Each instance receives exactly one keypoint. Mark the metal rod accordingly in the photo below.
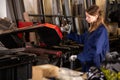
(38, 15)
(71, 64)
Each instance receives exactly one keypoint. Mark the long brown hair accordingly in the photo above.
(95, 10)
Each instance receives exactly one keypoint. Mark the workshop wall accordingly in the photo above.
(3, 12)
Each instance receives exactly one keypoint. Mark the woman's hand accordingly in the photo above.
(72, 57)
(66, 28)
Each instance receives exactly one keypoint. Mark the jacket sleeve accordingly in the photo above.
(78, 38)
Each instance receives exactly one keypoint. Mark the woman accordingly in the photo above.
(95, 40)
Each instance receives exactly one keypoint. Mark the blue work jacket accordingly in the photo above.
(96, 45)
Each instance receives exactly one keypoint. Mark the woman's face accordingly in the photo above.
(90, 18)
